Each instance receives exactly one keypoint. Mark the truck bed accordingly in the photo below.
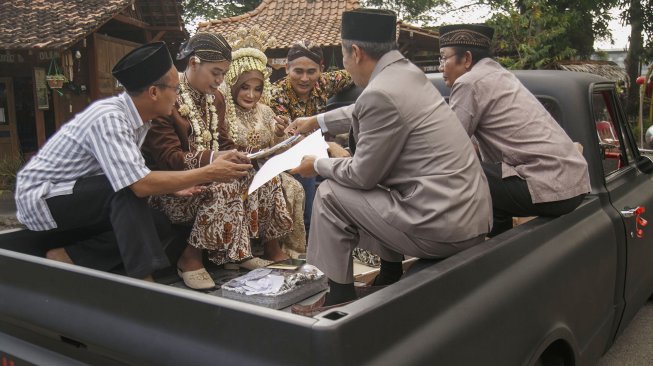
(552, 291)
(108, 318)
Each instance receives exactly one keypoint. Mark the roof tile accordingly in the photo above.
(52, 24)
(57, 24)
(290, 20)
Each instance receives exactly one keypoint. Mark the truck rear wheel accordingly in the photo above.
(557, 354)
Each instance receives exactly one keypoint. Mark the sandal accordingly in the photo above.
(197, 280)
(254, 263)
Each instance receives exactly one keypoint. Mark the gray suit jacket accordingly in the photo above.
(410, 141)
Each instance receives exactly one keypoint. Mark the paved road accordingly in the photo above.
(635, 345)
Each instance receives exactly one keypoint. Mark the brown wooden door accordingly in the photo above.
(8, 134)
(109, 51)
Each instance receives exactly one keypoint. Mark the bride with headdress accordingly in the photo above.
(250, 124)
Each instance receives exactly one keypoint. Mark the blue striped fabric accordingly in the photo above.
(103, 139)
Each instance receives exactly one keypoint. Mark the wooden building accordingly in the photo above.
(79, 39)
(319, 21)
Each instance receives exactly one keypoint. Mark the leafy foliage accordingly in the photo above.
(639, 14)
(589, 22)
(531, 35)
(208, 9)
(535, 33)
(583, 20)
(640, 11)
(409, 10)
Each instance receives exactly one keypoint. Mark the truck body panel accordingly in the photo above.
(565, 286)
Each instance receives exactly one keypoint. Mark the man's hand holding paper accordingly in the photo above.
(302, 125)
(313, 146)
(228, 167)
(306, 168)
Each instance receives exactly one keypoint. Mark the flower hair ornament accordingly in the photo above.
(206, 134)
(248, 46)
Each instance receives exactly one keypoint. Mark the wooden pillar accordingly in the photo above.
(38, 116)
(59, 104)
(93, 87)
(8, 131)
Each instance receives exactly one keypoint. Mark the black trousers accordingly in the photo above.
(510, 197)
(127, 233)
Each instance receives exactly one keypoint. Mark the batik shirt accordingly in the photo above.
(284, 101)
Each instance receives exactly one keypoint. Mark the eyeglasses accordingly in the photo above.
(177, 88)
(444, 59)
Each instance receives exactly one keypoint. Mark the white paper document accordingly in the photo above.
(313, 144)
(258, 281)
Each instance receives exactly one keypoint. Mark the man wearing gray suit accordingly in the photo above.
(414, 186)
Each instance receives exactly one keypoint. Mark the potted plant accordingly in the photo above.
(54, 77)
(55, 81)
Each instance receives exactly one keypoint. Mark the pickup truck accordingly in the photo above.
(551, 291)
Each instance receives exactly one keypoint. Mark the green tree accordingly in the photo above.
(588, 21)
(409, 10)
(538, 32)
(530, 35)
(210, 9)
(639, 14)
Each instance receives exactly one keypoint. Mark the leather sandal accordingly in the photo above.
(197, 280)
(254, 263)
(315, 308)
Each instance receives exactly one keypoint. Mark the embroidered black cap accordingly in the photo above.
(369, 25)
(475, 35)
(209, 47)
(143, 66)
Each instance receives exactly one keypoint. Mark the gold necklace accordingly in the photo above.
(248, 128)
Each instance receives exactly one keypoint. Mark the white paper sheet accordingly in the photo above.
(258, 281)
(269, 284)
(313, 144)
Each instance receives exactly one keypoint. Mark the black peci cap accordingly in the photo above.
(143, 66)
(369, 25)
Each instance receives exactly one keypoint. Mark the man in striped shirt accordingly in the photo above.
(91, 173)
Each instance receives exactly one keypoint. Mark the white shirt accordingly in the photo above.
(104, 139)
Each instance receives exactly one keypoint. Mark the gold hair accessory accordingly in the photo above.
(253, 37)
(248, 47)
